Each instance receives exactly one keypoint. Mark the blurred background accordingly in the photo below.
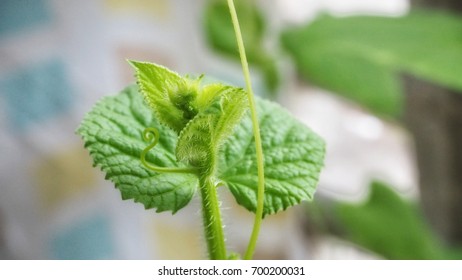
(380, 81)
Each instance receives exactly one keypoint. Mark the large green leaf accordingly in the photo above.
(293, 157)
(112, 134)
(362, 57)
(218, 140)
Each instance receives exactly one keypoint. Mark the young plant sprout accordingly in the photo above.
(200, 137)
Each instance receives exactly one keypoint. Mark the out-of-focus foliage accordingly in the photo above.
(220, 36)
(362, 57)
(391, 227)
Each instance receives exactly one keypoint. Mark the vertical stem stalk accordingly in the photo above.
(256, 131)
(213, 227)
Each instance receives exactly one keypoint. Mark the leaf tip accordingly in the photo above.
(133, 63)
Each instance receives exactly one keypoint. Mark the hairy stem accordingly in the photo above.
(256, 132)
(213, 227)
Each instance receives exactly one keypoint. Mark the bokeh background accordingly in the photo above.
(358, 83)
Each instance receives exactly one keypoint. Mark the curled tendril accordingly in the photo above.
(151, 134)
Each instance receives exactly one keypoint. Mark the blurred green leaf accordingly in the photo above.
(453, 254)
(390, 226)
(220, 36)
(361, 57)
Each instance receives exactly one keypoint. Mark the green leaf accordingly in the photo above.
(112, 132)
(293, 157)
(390, 226)
(199, 141)
(215, 140)
(452, 253)
(167, 93)
(362, 57)
(220, 31)
(220, 35)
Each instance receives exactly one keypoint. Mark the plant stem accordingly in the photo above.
(213, 227)
(256, 132)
